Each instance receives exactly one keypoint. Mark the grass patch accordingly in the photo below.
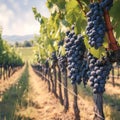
(27, 53)
(13, 96)
(111, 102)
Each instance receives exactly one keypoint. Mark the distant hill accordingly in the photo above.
(17, 38)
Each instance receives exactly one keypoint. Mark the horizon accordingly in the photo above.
(20, 35)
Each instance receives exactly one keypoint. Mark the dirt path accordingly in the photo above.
(42, 104)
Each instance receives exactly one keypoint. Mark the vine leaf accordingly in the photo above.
(80, 24)
(62, 50)
(95, 52)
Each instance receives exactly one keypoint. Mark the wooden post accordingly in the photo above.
(66, 101)
(0, 72)
(51, 79)
(98, 109)
(118, 72)
(75, 104)
(59, 86)
(48, 80)
(113, 80)
(55, 81)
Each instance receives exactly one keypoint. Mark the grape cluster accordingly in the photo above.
(99, 71)
(54, 57)
(85, 72)
(46, 64)
(62, 62)
(96, 27)
(75, 49)
(106, 4)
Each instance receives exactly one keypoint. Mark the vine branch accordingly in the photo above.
(91, 1)
(79, 2)
(111, 38)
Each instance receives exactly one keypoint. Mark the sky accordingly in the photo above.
(17, 18)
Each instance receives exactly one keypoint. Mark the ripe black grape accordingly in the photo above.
(62, 62)
(96, 26)
(106, 4)
(75, 49)
(85, 72)
(99, 71)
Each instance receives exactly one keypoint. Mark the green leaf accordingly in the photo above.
(80, 24)
(62, 50)
(56, 45)
(73, 10)
(95, 52)
(98, 53)
(72, 16)
(115, 15)
(105, 44)
(72, 4)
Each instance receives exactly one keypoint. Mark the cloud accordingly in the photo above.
(41, 7)
(19, 24)
(16, 16)
(26, 25)
(6, 16)
(14, 5)
(25, 2)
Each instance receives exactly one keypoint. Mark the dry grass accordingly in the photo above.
(6, 84)
(113, 90)
(42, 105)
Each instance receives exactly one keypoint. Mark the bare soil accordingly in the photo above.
(43, 105)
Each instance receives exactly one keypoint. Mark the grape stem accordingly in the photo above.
(111, 38)
(91, 1)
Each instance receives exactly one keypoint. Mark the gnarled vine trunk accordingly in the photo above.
(55, 81)
(113, 80)
(48, 80)
(75, 104)
(0, 72)
(51, 79)
(98, 109)
(59, 86)
(118, 72)
(66, 101)
(9, 72)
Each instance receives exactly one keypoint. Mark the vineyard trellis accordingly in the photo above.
(90, 43)
(10, 61)
(37, 70)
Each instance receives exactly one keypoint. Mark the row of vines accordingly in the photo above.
(10, 61)
(81, 37)
(58, 83)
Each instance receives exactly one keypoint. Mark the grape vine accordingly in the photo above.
(96, 26)
(75, 53)
(94, 18)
